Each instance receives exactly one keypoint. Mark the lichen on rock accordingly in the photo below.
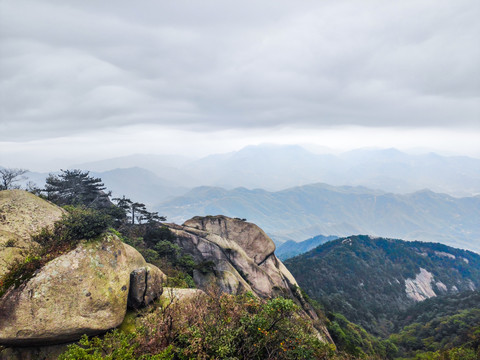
(82, 292)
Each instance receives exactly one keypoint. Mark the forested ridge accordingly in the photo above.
(359, 282)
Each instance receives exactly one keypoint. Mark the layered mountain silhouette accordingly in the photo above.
(301, 212)
(277, 167)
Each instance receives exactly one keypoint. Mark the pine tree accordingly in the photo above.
(76, 187)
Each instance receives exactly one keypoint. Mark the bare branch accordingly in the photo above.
(10, 176)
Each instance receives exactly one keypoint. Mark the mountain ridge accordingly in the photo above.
(305, 211)
(277, 167)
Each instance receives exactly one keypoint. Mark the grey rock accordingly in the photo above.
(146, 285)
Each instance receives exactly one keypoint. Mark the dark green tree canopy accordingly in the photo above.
(76, 187)
(138, 212)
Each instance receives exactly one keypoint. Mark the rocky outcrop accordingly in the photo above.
(85, 291)
(21, 215)
(88, 289)
(238, 257)
(177, 294)
(240, 253)
(420, 288)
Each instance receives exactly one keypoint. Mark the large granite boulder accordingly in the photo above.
(242, 256)
(146, 284)
(22, 215)
(85, 291)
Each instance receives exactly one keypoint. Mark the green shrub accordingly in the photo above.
(205, 267)
(150, 255)
(233, 327)
(212, 327)
(19, 272)
(114, 345)
(80, 223)
(180, 280)
(155, 233)
(85, 223)
(187, 263)
(167, 248)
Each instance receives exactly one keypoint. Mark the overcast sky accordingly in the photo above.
(93, 79)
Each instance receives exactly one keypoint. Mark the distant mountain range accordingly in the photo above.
(139, 185)
(301, 212)
(166, 167)
(291, 248)
(369, 280)
(290, 209)
(277, 167)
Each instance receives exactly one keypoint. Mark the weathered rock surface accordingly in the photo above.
(242, 254)
(177, 294)
(241, 257)
(420, 288)
(146, 284)
(253, 240)
(82, 292)
(21, 215)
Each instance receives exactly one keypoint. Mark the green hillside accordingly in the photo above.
(367, 279)
(446, 327)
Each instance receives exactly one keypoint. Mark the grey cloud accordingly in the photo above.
(68, 67)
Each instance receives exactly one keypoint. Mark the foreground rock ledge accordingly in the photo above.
(85, 291)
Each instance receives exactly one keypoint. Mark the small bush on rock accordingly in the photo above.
(80, 223)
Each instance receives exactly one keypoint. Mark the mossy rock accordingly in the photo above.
(82, 292)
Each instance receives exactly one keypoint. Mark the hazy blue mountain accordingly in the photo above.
(165, 166)
(139, 185)
(276, 167)
(291, 248)
(395, 171)
(371, 279)
(305, 211)
(271, 167)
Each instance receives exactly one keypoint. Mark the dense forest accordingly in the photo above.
(364, 278)
(359, 282)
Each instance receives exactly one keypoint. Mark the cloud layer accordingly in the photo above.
(73, 67)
